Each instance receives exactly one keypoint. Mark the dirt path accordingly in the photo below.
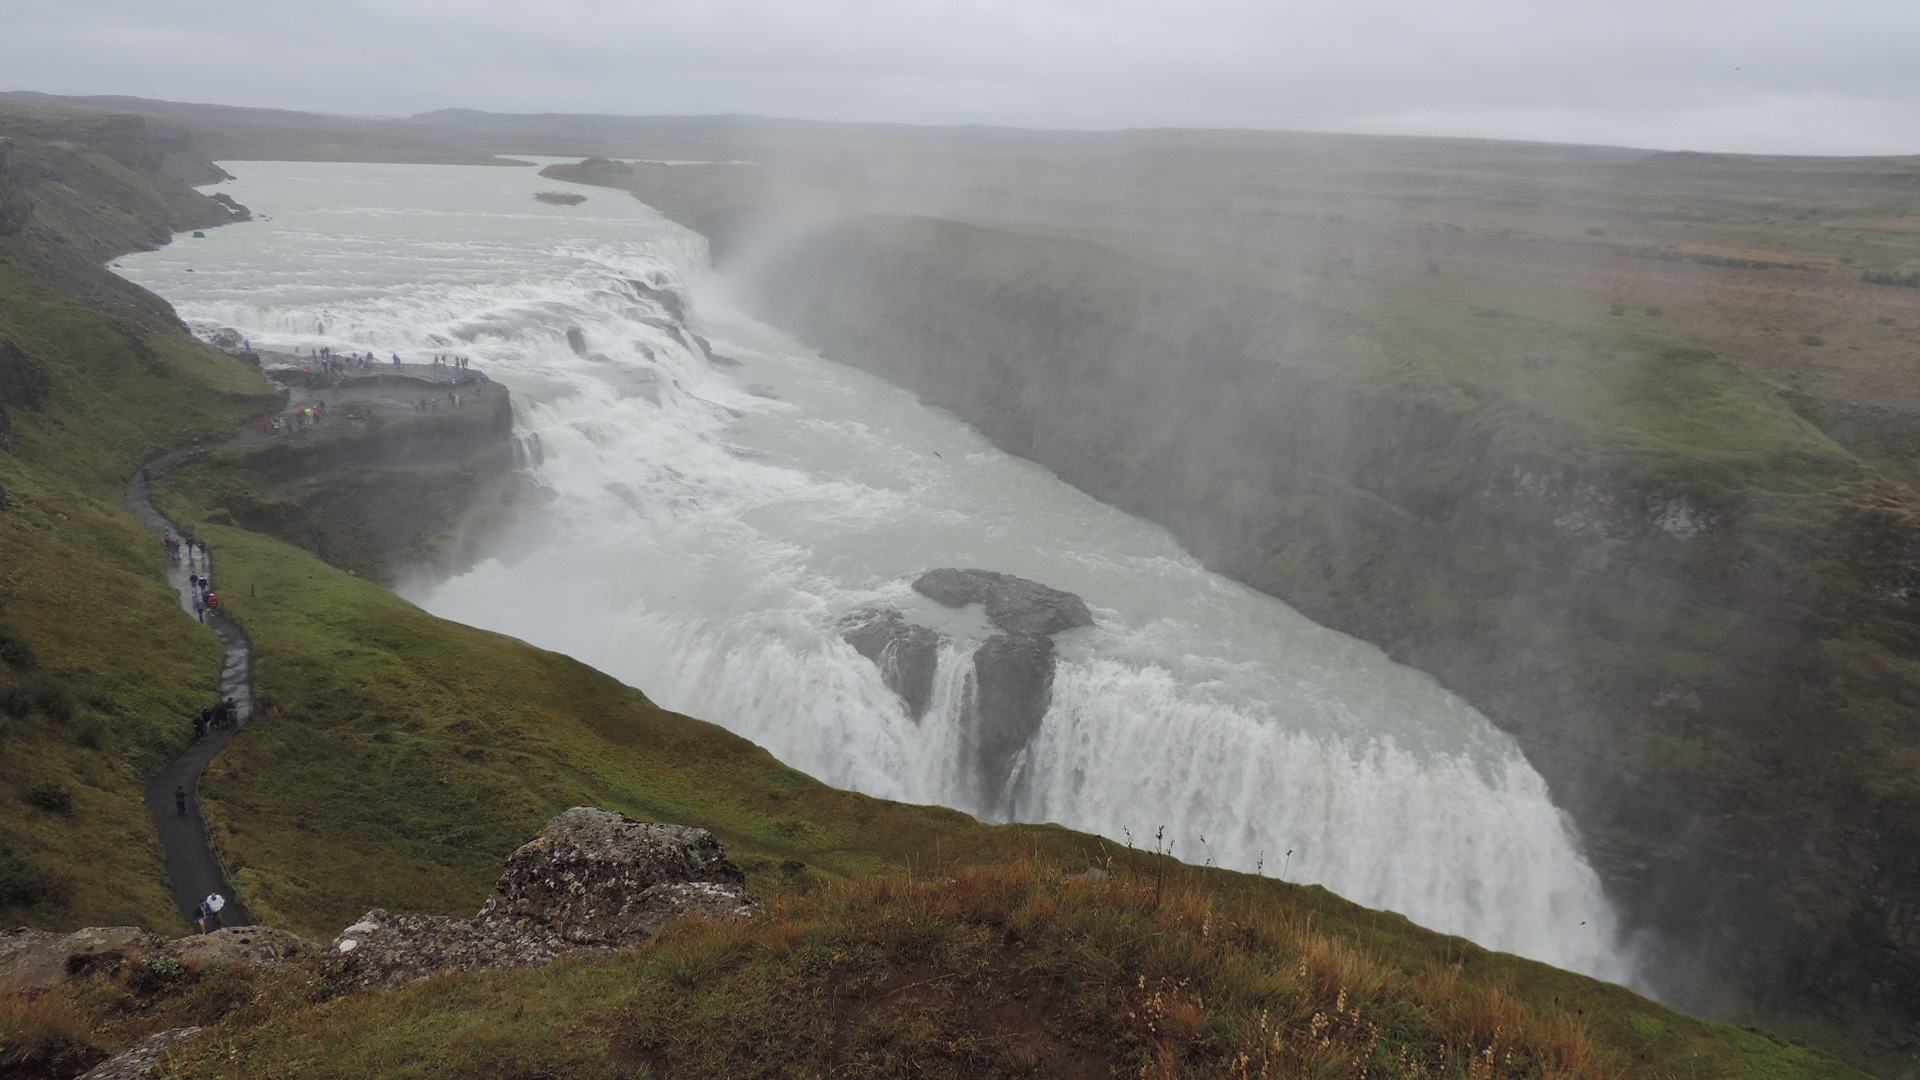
(193, 866)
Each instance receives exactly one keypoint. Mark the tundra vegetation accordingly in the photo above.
(398, 758)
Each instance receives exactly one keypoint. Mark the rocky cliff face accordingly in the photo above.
(48, 147)
(1677, 657)
(380, 487)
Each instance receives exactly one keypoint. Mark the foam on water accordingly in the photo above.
(710, 527)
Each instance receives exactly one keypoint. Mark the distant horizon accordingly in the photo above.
(385, 118)
(1715, 76)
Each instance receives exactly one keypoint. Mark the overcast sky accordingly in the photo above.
(1839, 76)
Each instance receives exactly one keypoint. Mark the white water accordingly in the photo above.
(710, 527)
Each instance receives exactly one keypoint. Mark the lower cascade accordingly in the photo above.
(757, 536)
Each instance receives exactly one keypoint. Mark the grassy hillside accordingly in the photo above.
(95, 378)
(1022, 967)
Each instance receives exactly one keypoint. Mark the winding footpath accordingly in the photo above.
(194, 868)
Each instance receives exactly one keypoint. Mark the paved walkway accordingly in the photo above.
(193, 865)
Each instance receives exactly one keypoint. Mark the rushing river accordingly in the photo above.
(711, 527)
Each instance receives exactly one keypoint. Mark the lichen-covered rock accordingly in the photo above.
(36, 960)
(143, 1059)
(590, 876)
(591, 881)
(240, 946)
(384, 949)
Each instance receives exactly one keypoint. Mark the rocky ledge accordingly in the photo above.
(1012, 680)
(592, 881)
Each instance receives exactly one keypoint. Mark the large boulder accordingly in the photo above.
(592, 881)
(1013, 604)
(595, 877)
(32, 960)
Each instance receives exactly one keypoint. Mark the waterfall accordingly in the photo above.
(719, 513)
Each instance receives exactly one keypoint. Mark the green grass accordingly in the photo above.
(119, 666)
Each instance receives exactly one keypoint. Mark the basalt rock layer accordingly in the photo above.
(1011, 683)
(383, 484)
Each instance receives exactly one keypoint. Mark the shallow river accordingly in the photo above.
(711, 527)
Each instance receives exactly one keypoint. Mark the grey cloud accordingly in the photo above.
(1702, 74)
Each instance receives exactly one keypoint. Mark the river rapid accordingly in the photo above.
(711, 527)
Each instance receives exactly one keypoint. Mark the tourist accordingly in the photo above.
(210, 912)
(180, 801)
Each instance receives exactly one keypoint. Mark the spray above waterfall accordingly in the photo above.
(746, 530)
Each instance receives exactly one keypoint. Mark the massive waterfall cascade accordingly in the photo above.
(712, 526)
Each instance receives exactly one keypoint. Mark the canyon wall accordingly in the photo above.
(1707, 660)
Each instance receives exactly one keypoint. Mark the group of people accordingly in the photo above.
(224, 716)
(433, 404)
(298, 420)
(460, 363)
(327, 363)
(174, 545)
(206, 602)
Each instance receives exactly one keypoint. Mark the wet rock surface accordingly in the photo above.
(1013, 604)
(591, 881)
(907, 655)
(1013, 682)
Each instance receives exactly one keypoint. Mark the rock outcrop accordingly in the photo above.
(1012, 671)
(1013, 604)
(34, 960)
(907, 655)
(592, 881)
(240, 946)
(144, 1058)
(381, 485)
